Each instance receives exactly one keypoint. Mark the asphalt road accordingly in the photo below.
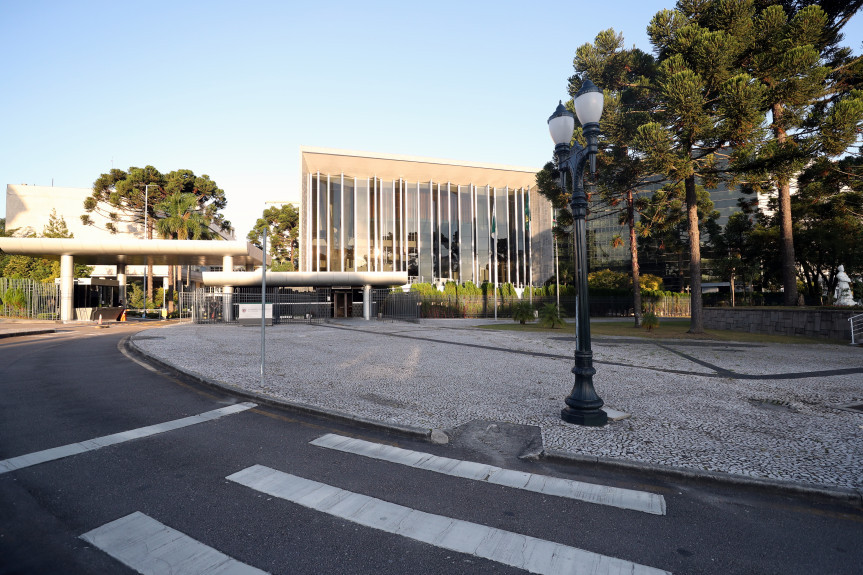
(76, 385)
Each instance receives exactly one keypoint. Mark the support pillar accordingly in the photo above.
(228, 298)
(67, 286)
(121, 279)
(367, 302)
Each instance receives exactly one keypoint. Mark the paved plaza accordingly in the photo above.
(752, 410)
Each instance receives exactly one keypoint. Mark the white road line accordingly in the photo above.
(147, 546)
(590, 492)
(513, 549)
(38, 457)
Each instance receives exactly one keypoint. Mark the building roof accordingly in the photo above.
(413, 168)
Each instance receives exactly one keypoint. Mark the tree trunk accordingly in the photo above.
(696, 322)
(633, 256)
(786, 233)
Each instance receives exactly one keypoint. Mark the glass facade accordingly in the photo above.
(435, 231)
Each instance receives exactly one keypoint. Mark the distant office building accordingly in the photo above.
(604, 223)
(438, 220)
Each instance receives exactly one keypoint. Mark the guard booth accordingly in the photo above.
(92, 297)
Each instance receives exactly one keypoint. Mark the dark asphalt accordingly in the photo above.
(73, 385)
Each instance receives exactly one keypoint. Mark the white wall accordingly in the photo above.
(28, 209)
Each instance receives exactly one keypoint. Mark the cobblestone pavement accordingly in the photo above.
(767, 411)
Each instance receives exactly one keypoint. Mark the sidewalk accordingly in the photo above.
(18, 328)
(741, 411)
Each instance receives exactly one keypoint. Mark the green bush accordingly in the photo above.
(649, 320)
(549, 316)
(15, 298)
(522, 312)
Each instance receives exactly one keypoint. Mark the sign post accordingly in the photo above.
(263, 306)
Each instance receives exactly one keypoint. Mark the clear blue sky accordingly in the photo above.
(233, 89)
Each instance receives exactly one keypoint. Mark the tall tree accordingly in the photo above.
(705, 107)
(791, 48)
(623, 176)
(282, 225)
(128, 199)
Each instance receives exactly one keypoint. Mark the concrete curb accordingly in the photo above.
(303, 408)
(24, 333)
(772, 486)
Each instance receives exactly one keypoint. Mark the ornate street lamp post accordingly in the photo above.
(583, 405)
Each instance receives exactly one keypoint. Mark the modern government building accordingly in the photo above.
(366, 220)
(436, 220)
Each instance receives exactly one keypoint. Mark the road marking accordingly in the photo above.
(92, 444)
(147, 546)
(513, 549)
(590, 492)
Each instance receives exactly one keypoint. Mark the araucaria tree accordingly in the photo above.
(624, 76)
(792, 51)
(282, 225)
(128, 199)
(705, 106)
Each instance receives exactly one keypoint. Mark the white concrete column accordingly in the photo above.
(67, 286)
(367, 302)
(227, 307)
(121, 279)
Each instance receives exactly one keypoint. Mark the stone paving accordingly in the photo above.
(758, 410)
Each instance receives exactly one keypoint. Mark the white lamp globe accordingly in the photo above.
(561, 124)
(588, 103)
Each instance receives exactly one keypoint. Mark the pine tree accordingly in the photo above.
(624, 75)
(791, 48)
(706, 106)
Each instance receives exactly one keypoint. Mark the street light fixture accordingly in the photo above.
(583, 405)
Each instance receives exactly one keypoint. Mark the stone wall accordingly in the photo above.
(824, 323)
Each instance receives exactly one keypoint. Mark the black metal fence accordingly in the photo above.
(451, 306)
(287, 306)
(283, 306)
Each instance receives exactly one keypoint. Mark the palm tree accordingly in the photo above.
(181, 219)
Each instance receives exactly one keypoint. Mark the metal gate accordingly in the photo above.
(214, 306)
(396, 305)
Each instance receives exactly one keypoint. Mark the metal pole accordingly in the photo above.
(583, 405)
(556, 272)
(263, 306)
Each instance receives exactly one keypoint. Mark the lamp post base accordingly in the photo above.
(587, 417)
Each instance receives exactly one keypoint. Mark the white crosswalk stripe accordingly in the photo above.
(62, 451)
(601, 494)
(513, 549)
(148, 546)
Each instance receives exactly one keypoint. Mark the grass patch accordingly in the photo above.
(667, 329)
